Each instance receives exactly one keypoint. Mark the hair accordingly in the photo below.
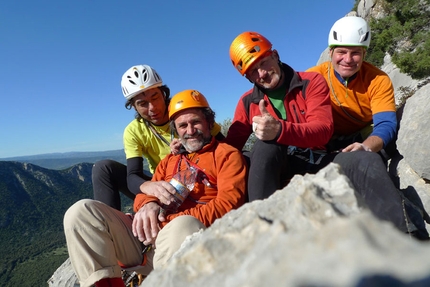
(164, 89)
(208, 113)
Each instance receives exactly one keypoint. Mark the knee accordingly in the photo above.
(102, 166)
(77, 212)
(267, 153)
(171, 237)
(187, 223)
(355, 157)
(183, 226)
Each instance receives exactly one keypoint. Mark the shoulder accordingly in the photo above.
(247, 94)
(313, 78)
(373, 76)
(321, 68)
(371, 69)
(135, 126)
(225, 149)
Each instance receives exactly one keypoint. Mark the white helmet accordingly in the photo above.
(138, 79)
(349, 31)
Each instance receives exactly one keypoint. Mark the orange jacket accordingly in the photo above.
(226, 170)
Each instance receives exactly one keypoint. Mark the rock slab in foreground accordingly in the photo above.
(311, 233)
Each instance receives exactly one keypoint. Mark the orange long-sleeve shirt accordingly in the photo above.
(226, 169)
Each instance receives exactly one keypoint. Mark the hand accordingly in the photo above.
(175, 145)
(266, 126)
(161, 189)
(356, 146)
(145, 223)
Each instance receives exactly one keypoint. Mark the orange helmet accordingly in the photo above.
(185, 100)
(246, 48)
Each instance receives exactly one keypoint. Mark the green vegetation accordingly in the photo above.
(38, 270)
(33, 201)
(405, 34)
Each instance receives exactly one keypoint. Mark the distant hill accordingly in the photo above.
(33, 201)
(65, 160)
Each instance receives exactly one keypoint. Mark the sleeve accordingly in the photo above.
(318, 128)
(231, 183)
(385, 126)
(382, 95)
(135, 175)
(160, 173)
(132, 145)
(240, 129)
(383, 106)
(317, 69)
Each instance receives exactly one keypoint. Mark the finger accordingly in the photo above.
(169, 189)
(162, 215)
(138, 229)
(146, 231)
(154, 226)
(133, 227)
(262, 105)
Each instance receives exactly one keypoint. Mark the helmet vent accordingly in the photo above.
(364, 37)
(157, 77)
(255, 39)
(335, 36)
(255, 49)
(239, 65)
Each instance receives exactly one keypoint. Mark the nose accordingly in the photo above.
(151, 106)
(190, 129)
(261, 73)
(348, 58)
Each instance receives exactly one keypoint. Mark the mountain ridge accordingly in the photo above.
(65, 160)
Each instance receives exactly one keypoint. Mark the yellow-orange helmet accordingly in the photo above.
(246, 48)
(185, 100)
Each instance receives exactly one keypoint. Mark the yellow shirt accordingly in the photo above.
(140, 141)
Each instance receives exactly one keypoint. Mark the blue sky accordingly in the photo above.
(61, 62)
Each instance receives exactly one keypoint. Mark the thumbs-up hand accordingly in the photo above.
(265, 126)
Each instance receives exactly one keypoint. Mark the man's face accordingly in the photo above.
(347, 60)
(151, 106)
(192, 128)
(266, 71)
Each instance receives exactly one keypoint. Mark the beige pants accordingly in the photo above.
(99, 236)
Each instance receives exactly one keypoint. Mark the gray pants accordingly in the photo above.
(99, 237)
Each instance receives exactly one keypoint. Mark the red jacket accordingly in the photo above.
(309, 122)
(225, 169)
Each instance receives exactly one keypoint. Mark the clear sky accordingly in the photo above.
(61, 62)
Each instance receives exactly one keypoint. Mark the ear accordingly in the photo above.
(276, 55)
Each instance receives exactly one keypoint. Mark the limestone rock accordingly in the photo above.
(311, 233)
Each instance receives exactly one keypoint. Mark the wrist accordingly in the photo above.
(365, 148)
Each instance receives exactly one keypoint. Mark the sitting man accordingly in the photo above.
(289, 112)
(102, 240)
(365, 124)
